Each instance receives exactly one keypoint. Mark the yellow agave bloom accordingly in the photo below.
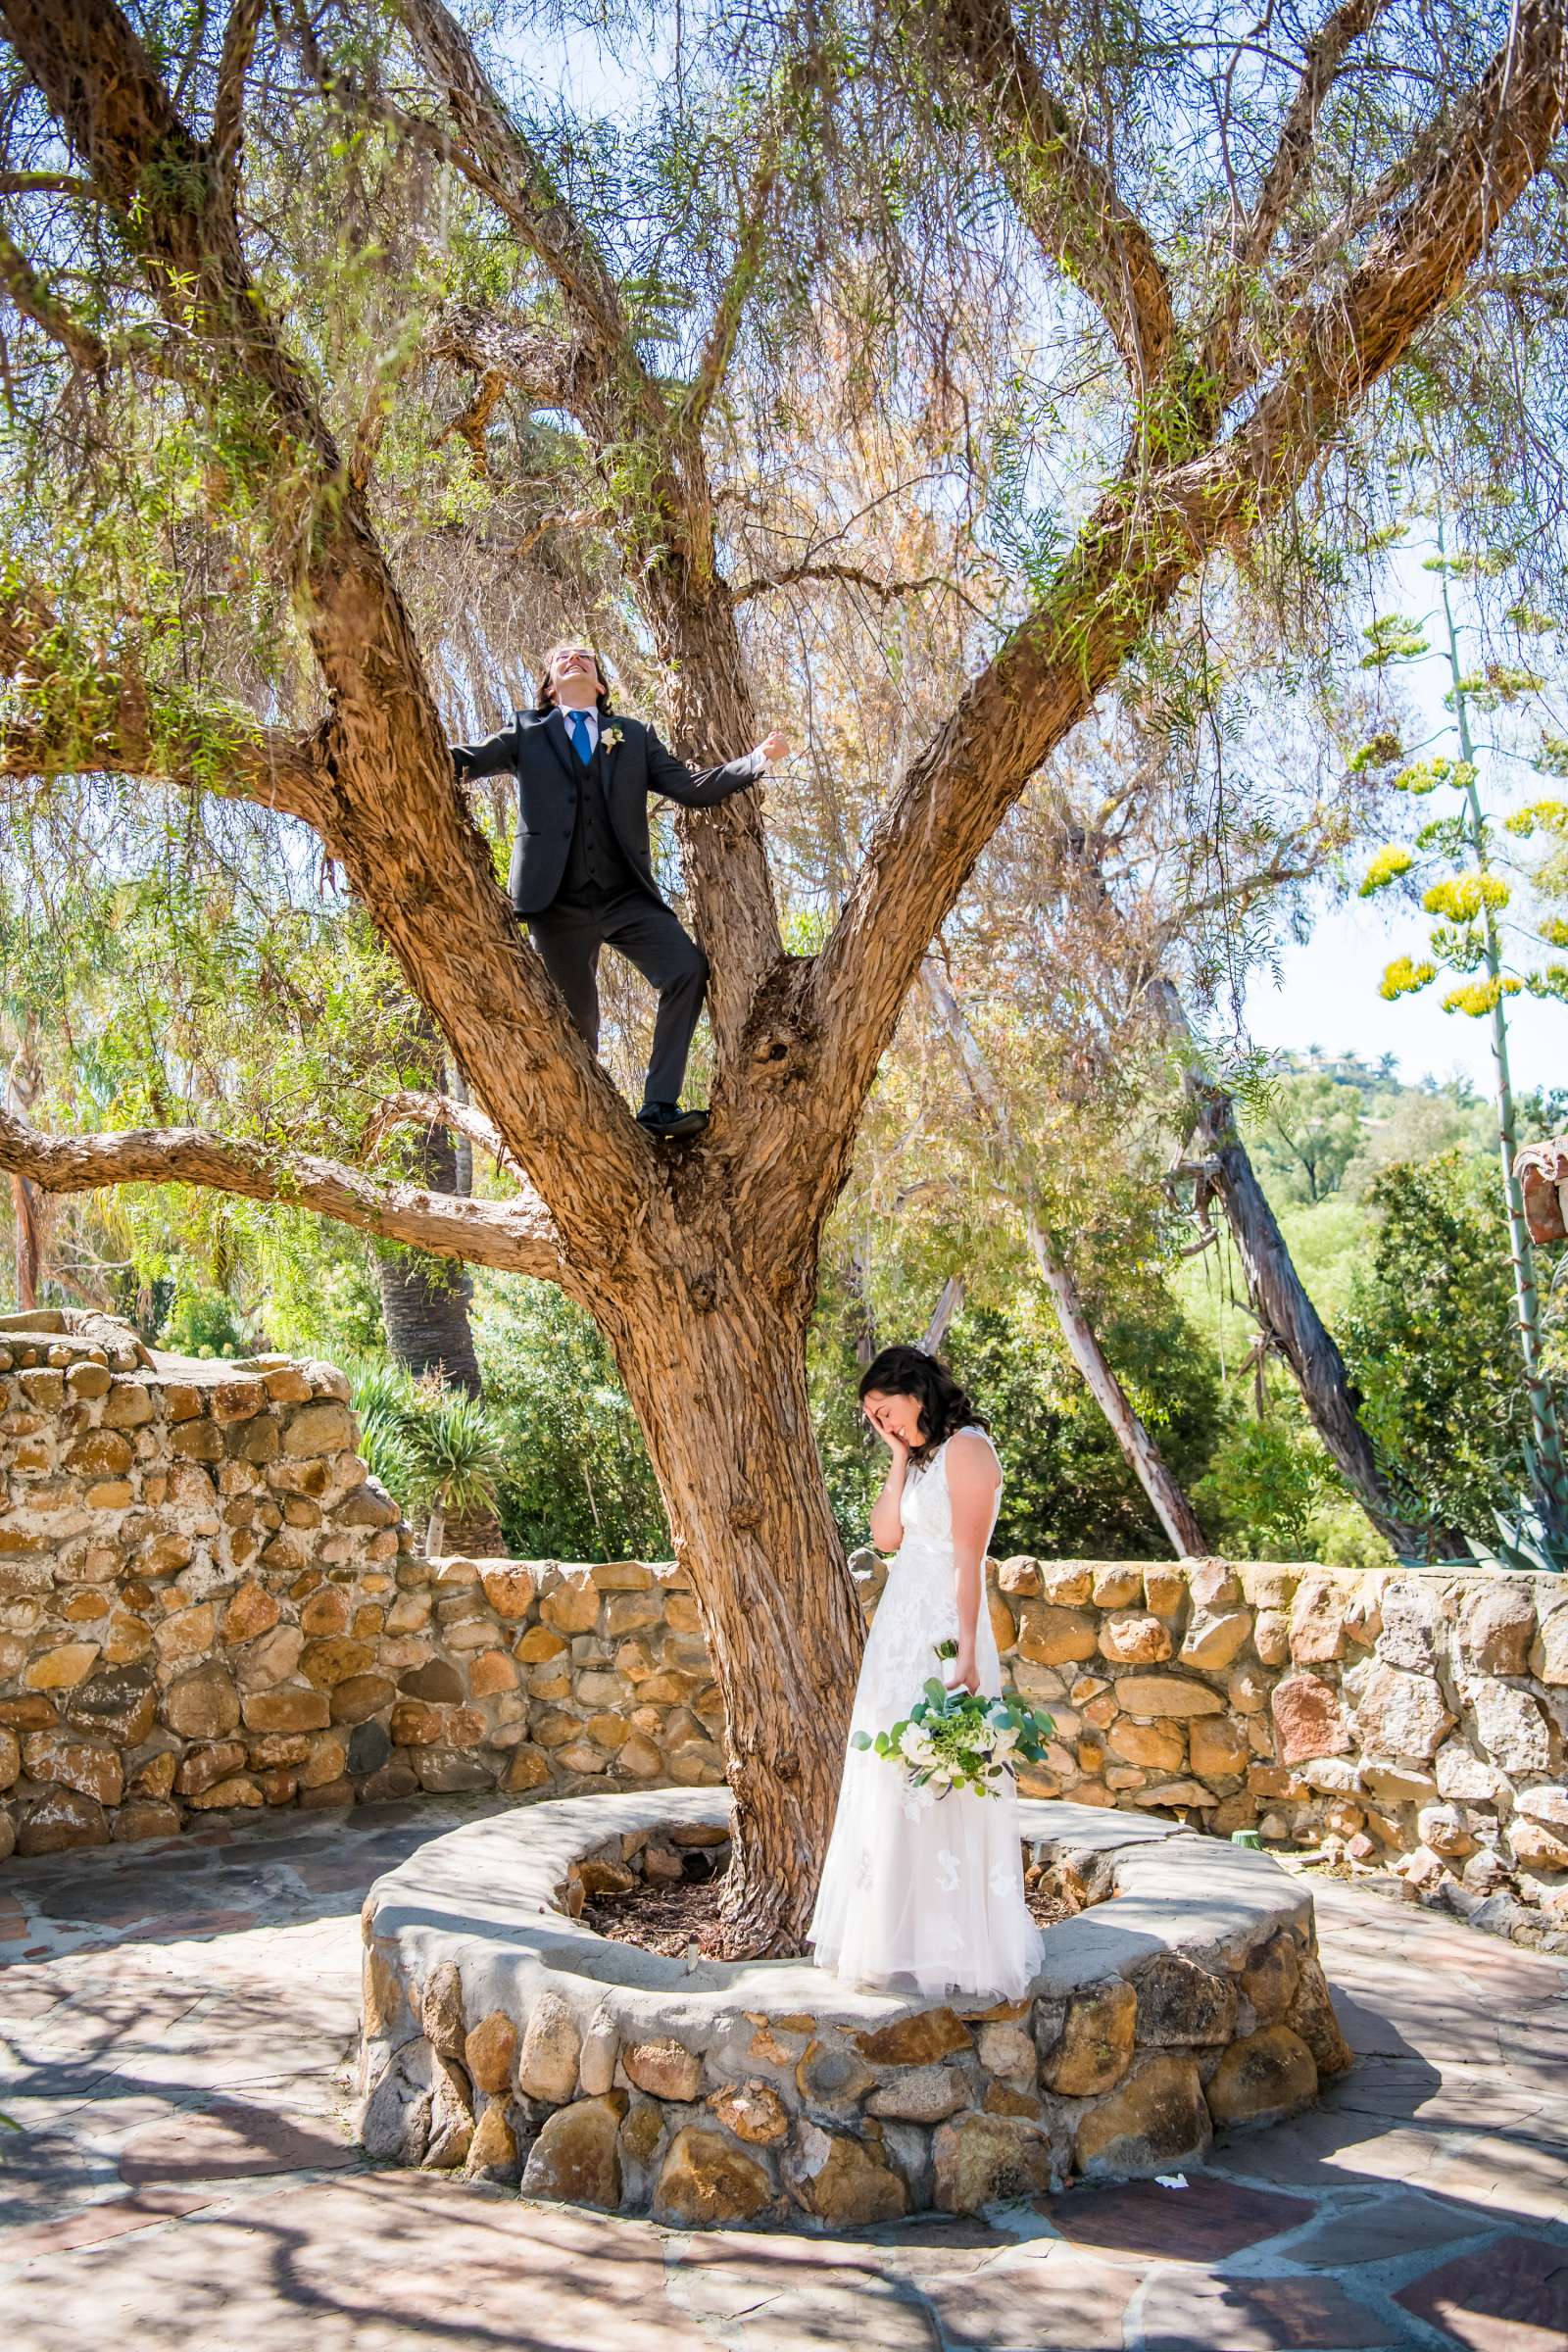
(1478, 997)
(1386, 866)
(1403, 977)
(1463, 898)
(1425, 775)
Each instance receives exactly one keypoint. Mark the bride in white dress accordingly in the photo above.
(925, 1899)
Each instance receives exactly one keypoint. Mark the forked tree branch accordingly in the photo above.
(1223, 367)
(730, 310)
(1144, 540)
(410, 1109)
(228, 107)
(1326, 55)
(516, 1236)
(1065, 197)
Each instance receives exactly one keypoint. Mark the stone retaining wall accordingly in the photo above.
(205, 1603)
(1409, 1721)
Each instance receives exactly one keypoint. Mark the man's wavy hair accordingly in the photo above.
(547, 692)
(944, 1406)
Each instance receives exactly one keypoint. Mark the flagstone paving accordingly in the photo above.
(175, 2028)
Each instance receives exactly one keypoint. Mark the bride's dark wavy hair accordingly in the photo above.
(944, 1406)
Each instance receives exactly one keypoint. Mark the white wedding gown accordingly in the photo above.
(926, 1901)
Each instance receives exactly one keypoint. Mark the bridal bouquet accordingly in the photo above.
(959, 1739)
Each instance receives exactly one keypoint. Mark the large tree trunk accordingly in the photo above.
(949, 1303)
(425, 1300)
(1277, 1292)
(1128, 1427)
(425, 1307)
(715, 1368)
(32, 1211)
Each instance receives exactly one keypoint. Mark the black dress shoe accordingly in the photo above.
(669, 1123)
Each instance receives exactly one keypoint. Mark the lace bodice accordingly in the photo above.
(919, 1604)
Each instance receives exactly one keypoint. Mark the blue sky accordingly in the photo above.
(1328, 996)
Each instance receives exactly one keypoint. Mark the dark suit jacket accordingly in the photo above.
(539, 753)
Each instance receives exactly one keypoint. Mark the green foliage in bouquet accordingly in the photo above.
(959, 1739)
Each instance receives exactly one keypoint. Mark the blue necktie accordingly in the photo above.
(577, 720)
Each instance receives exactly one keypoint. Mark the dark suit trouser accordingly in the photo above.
(569, 935)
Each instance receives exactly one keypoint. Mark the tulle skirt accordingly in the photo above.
(924, 1902)
(921, 1900)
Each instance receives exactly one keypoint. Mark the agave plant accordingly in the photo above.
(1523, 1543)
(458, 1459)
(386, 1404)
(387, 1449)
(437, 1449)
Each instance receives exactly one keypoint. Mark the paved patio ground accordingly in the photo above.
(175, 2023)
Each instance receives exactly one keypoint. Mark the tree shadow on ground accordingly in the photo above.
(187, 2167)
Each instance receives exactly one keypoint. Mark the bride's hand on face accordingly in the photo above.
(897, 1447)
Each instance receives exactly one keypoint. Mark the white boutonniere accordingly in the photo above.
(613, 739)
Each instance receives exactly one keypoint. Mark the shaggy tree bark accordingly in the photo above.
(699, 1264)
(1131, 1432)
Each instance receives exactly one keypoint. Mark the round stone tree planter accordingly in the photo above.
(503, 2037)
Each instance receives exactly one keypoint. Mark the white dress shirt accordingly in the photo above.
(569, 721)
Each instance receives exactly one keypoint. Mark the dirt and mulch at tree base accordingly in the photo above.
(677, 1916)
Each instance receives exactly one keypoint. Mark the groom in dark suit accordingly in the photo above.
(582, 877)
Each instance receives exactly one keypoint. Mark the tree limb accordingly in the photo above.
(516, 1236)
(84, 713)
(492, 151)
(410, 1109)
(228, 107)
(395, 815)
(1146, 539)
(32, 298)
(854, 576)
(1254, 234)
(45, 183)
(1326, 54)
(1305, 261)
(1235, 896)
(719, 347)
(1066, 199)
(274, 769)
